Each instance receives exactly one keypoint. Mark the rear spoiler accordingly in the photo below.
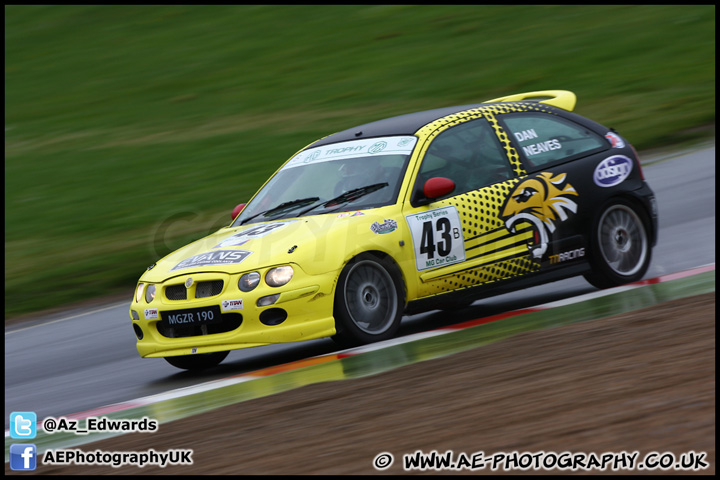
(558, 98)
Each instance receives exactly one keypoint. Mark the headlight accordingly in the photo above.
(249, 281)
(150, 293)
(279, 276)
(139, 292)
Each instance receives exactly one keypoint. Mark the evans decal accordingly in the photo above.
(612, 171)
(220, 257)
(151, 314)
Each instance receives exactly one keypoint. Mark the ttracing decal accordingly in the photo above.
(539, 200)
(612, 171)
(565, 256)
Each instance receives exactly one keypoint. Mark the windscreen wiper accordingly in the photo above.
(349, 196)
(285, 206)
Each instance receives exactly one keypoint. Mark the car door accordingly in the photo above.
(461, 239)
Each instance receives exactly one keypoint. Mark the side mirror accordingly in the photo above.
(236, 211)
(435, 187)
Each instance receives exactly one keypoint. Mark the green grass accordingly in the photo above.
(130, 130)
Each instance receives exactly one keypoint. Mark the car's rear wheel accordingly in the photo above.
(197, 362)
(620, 246)
(369, 301)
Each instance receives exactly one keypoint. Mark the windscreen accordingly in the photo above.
(354, 175)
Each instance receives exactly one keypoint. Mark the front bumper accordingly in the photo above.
(303, 311)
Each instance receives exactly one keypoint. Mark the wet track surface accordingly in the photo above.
(71, 364)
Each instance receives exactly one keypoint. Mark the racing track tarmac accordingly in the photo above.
(642, 381)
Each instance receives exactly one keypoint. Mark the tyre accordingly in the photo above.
(620, 245)
(369, 301)
(198, 361)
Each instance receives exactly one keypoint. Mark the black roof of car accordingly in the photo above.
(409, 124)
(406, 124)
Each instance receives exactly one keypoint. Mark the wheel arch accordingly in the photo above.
(349, 329)
(383, 257)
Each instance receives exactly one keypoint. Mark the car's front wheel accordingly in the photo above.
(620, 246)
(369, 301)
(198, 361)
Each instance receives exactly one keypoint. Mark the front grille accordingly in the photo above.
(230, 321)
(176, 292)
(202, 290)
(208, 289)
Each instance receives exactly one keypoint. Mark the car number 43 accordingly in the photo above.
(437, 237)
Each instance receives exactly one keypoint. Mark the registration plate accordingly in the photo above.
(192, 316)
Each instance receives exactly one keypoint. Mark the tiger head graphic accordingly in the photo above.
(540, 200)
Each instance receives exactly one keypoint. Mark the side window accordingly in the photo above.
(469, 154)
(546, 139)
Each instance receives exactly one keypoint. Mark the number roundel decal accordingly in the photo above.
(437, 237)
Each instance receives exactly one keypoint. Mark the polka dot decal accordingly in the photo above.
(480, 215)
(480, 210)
(482, 275)
(489, 112)
(512, 154)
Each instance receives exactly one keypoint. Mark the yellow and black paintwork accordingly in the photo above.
(507, 241)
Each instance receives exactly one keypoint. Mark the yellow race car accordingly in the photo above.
(422, 211)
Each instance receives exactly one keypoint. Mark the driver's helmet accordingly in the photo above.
(349, 170)
(353, 174)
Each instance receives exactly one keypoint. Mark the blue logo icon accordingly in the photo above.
(612, 171)
(23, 456)
(23, 425)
